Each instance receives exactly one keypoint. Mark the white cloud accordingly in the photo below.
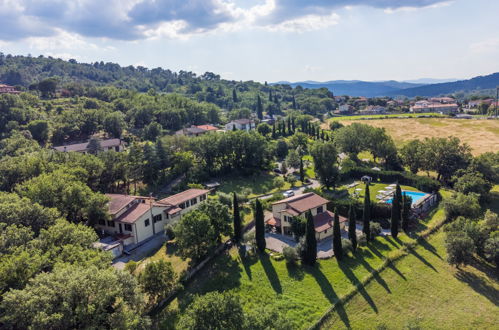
(391, 10)
(306, 23)
(62, 40)
(486, 46)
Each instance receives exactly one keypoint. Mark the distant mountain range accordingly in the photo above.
(419, 87)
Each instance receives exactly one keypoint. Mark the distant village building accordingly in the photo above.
(196, 130)
(284, 210)
(346, 108)
(240, 124)
(134, 219)
(109, 144)
(443, 100)
(6, 89)
(373, 110)
(430, 106)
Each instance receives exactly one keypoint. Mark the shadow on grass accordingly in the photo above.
(328, 291)
(478, 284)
(398, 272)
(246, 260)
(295, 271)
(422, 259)
(428, 247)
(270, 272)
(345, 268)
(392, 242)
(360, 258)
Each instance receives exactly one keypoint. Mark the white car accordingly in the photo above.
(288, 193)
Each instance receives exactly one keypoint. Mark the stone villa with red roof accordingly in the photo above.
(196, 130)
(284, 210)
(134, 219)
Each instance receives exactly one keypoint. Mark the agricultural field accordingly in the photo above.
(423, 291)
(481, 135)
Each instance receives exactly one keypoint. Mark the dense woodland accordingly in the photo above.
(50, 277)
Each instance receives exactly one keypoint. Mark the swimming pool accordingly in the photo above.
(413, 194)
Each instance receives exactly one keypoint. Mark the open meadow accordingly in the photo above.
(482, 135)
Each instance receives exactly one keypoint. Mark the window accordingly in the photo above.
(202, 198)
(194, 201)
(146, 223)
(102, 222)
(157, 218)
(110, 223)
(117, 148)
(319, 209)
(187, 204)
(128, 227)
(181, 205)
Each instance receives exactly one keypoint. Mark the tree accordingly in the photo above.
(114, 124)
(259, 226)
(234, 96)
(39, 129)
(462, 205)
(94, 146)
(412, 156)
(309, 255)
(459, 248)
(157, 279)
(237, 220)
(47, 87)
(396, 212)
(213, 310)
(352, 227)
(259, 107)
(284, 168)
(473, 182)
(195, 235)
(218, 214)
(293, 159)
(76, 297)
(298, 226)
(366, 215)
(325, 155)
(281, 148)
(264, 129)
(337, 249)
(406, 211)
(302, 171)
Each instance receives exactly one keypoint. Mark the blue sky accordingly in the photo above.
(265, 40)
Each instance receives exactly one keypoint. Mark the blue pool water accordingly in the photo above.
(413, 194)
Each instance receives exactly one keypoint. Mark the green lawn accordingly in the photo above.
(303, 294)
(423, 290)
(258, 184)
(374, 188)
(167, 252)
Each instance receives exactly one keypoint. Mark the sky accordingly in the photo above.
(264, 40)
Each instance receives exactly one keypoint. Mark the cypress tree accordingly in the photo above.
(234, 96)
(259, 226)
(396, 212)
(352, 234)
(294, 102)
(270, 95)
(293, 124)
(337, 248)
(366, 216)
(237, 220)
(259, 107)
(283, 125)
(289, 126)
(273, 131)
(406, 211)
(302, 172)
(310, 251)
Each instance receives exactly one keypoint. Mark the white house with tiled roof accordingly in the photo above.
(284, 210)
(137, 218)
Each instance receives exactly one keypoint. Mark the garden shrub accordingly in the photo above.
(169, 231)
(362, 240)
(131, 266)
(290, 255)
(375, 228)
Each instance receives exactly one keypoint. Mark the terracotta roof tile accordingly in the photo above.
(304, 202)
(324, 221)
(133, 213)
(183, 196)
(118, 201)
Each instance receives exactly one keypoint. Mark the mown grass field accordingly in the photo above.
(423, 290)
(399, 115)
(481, 135)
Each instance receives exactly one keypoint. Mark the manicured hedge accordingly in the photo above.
(422, 183)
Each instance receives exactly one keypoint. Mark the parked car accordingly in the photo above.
(288, 193)
(277, 170)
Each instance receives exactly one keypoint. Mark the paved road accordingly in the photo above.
(142, 252)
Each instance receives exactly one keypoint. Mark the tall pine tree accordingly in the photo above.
(352, 227)
(302, 171)
(234, 96)
(259, 107)
(237, 220)
(406, 211)
(366, 216)
(310, 250)
(259, 226)
(396, 211)
(337, 248)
